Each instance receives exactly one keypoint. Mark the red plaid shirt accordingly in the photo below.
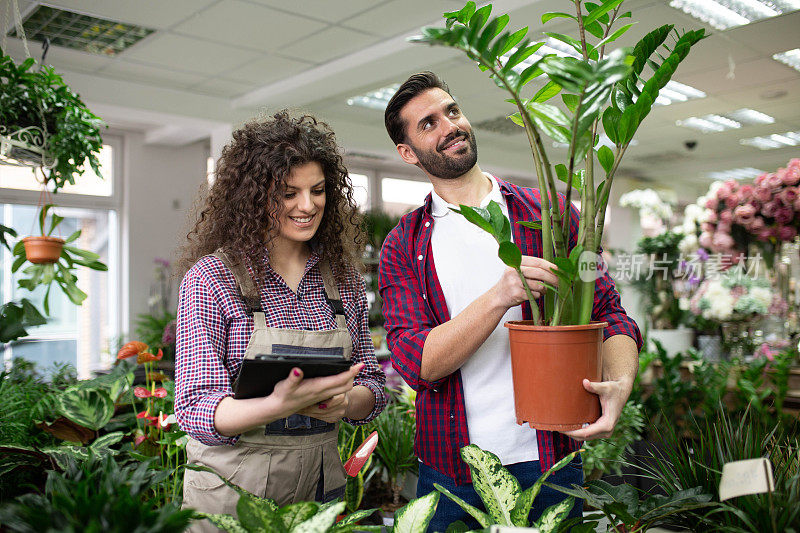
(413, 304)
(213, 324)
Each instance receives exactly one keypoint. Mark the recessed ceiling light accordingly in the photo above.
(724, 14)
(790, 57)
(735, 173)
(776, 140)
(377, 99)
(81, 32)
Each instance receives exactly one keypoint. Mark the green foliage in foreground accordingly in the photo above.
(93, 496)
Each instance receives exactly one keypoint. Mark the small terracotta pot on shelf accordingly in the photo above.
(549, 364)
(41, 250)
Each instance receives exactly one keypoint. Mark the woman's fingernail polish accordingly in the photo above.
(323, 406)
(296, 372)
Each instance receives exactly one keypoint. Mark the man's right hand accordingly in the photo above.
(509, 289)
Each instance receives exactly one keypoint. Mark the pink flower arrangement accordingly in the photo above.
(768, 210)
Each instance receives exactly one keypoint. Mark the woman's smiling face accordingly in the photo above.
(303, 203)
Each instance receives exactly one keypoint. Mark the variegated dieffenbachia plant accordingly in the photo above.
(505, 502)
(256, 514)
(612, 90)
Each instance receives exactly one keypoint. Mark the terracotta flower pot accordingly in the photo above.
(548, 365)
(42, 250)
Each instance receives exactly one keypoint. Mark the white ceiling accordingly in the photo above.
(213, 62)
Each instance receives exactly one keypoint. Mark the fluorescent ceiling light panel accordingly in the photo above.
(735, 173)
(724, 14)
(674, 92)
(790, 58)
(734, 120)
(776, 140)
(81, 32)
(709, 123)
(749, 117)
(377, 99)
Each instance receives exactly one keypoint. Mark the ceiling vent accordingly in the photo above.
(501, 125)
(80, 32)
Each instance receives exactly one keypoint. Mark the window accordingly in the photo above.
(85, 335)
(360, 190)
(401, 195)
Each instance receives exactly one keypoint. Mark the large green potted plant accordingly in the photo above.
(43, 123)
(598, 90)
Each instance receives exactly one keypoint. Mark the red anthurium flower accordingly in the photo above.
(146, 357)
(130, 349)
(141, 392)
(162, 421)
(151, 420)
(160, 392)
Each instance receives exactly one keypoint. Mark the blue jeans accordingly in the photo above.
(526, 473)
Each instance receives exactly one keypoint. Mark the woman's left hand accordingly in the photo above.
(331, 410)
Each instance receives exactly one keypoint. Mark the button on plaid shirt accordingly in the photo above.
(413, 304)
(213, 325)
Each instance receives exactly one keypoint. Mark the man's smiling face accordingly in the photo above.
(439, 138)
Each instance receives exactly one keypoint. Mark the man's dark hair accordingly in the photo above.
(416, 84)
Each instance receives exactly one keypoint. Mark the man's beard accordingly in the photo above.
(444, 166)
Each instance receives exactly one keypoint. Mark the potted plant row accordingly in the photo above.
(600, 91)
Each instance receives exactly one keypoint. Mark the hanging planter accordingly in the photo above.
(44, 124)
(43, 250)
(48, 267)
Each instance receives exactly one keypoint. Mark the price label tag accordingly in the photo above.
(751, 476)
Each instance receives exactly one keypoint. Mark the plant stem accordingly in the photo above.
(601, 211)
(581, 29)
(537, 320)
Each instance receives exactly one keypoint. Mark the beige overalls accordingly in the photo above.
(291, 459)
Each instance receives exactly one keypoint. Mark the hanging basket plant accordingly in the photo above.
(48, 267)
(44, 124)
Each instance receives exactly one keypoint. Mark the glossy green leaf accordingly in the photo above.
(570, 100)
(614, 36)
(497, 219)
(509, 254)
(601, 10)
(606, 158)
(547, 17)
(549, 90)
(595, 29)
(512, 41)
(571, 41)
(531, 224)
(478, 216)
(611, 119)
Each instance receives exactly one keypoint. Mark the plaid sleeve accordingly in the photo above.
(407, 322)
(201, 380)
(607, 304)
(371, 376)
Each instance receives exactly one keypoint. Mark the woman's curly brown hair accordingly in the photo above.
(244, 204)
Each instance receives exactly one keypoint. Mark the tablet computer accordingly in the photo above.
(258, 376)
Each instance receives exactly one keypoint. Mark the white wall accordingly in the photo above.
(161, 184)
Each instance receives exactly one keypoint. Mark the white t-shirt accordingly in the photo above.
(467, 266)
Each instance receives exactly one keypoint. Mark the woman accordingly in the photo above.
(273, 258)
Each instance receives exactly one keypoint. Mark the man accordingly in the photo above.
(446, 296)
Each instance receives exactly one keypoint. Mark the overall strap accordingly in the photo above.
(244, 282)
(332, 293)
